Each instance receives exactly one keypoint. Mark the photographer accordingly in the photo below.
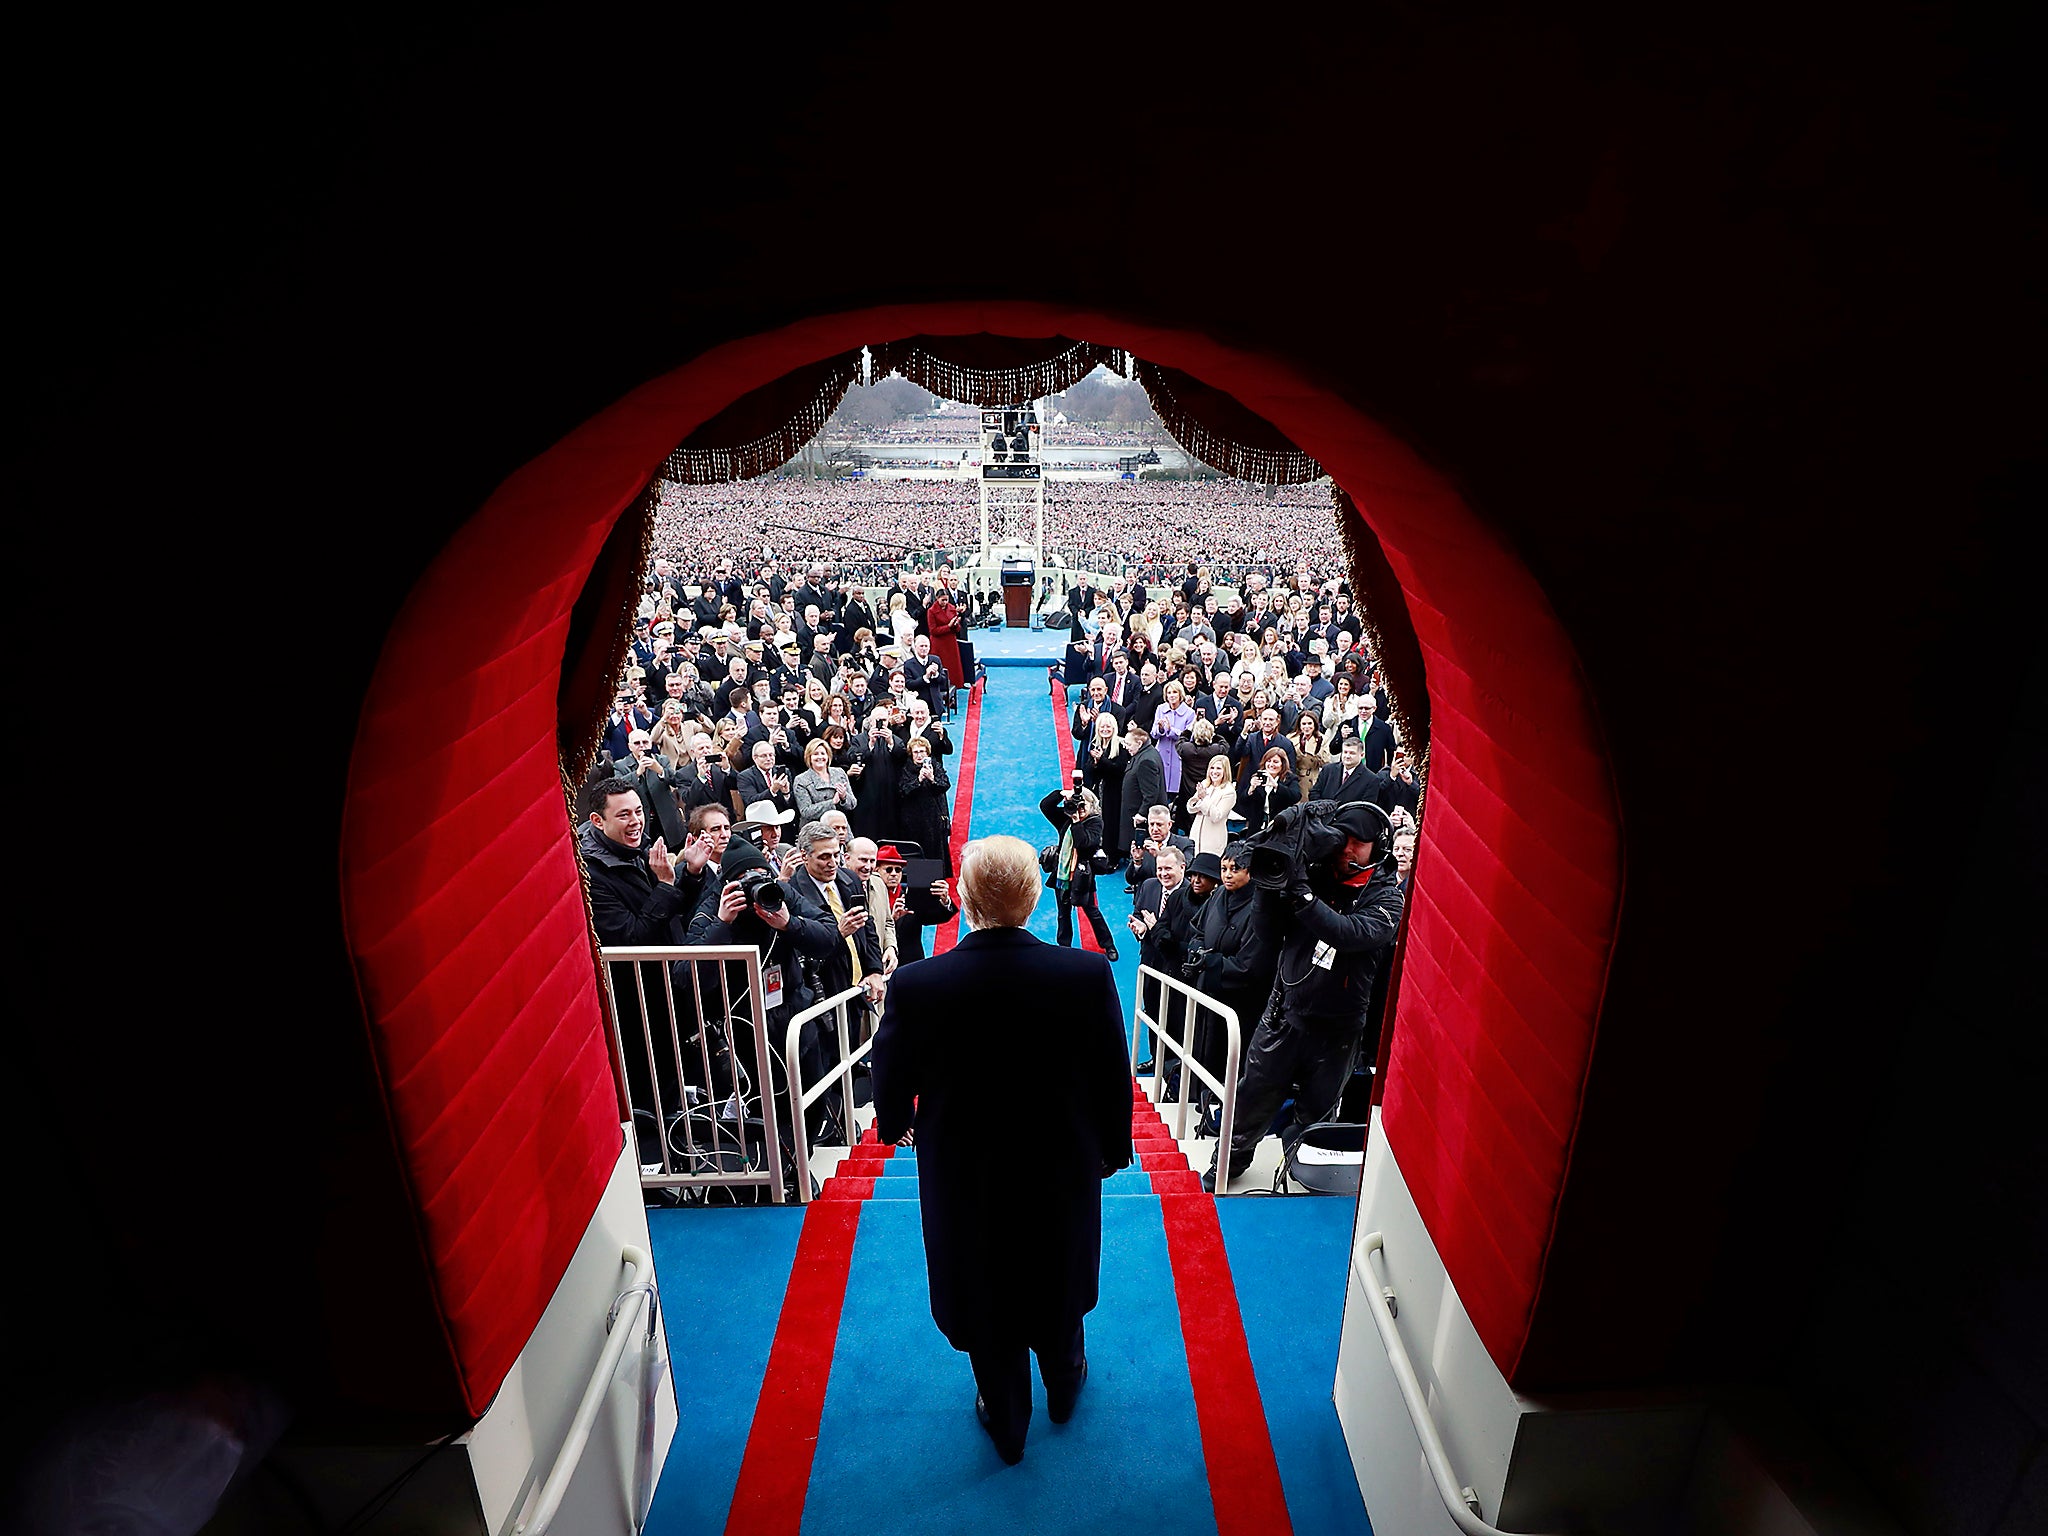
(754, 908)
(1330, 901)
(1069, 864)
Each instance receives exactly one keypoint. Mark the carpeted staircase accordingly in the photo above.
(874, 1172)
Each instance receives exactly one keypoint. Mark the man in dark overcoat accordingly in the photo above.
(1013, 1246)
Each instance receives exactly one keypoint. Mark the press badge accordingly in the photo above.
(1324, 955)
(771, 988)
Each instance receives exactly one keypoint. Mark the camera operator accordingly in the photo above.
(1069, 864)
(1330, 901)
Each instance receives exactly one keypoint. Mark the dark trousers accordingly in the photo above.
(1314, 1056)
(1096, 920)
(1002, 1374)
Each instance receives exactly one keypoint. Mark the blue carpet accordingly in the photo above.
(1288, 1259)
(898, 1446)
(722, 1277)
(1016, 763)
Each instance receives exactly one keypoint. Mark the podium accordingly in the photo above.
(1018, 579)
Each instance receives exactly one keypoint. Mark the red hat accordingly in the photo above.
(887, 854)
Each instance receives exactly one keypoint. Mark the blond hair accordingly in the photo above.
(999, 882)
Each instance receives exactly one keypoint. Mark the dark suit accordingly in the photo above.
(1013, 1246)
(835, 971)
(1379, 743)
(1363, 785)
(1144, 787)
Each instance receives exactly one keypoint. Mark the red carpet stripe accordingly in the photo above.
(1237, 1446)
(775, 1472)
(948, 932)
(1083, 934)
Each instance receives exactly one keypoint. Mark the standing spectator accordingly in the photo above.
(881, 758)
(1173, 719)
(650, 775)
(1162, 918)
(1144, 784)
(1197, 751)
(921, 811)
(1348, 778)
(821, 787)
(1377, 735)
(1102, 761)
(1269, 791)
(944, 621)
(908, 923)
(1211, 803)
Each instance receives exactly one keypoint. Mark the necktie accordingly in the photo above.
(839, 910)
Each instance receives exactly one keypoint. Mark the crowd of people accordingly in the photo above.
(776, 768)
(1223, 523)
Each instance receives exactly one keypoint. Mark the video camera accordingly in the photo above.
(1304, 837)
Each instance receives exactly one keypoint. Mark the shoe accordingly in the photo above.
(1144, 1066)
(1209, 1182)
(1010, 1458)
(1059, 1413)
(1109, 954)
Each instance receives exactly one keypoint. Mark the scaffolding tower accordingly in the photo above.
(1013, 471)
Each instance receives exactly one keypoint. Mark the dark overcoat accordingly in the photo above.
(1012, 1232)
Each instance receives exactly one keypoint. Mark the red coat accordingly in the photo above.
(943, 620)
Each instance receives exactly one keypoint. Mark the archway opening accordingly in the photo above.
(464, 906)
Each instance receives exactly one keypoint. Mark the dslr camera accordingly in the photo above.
(763, 889)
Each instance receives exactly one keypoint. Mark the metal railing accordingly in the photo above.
(1459, 1498)
(802, 1098)
(635, 1305)
(1198, 1002)
(713, 1114)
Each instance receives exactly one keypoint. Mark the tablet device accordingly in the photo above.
(918, 875)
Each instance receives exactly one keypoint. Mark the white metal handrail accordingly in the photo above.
(1225, 1091)
(1459, 1499)
(697, 957)
(801, 1098)
(636, 1301)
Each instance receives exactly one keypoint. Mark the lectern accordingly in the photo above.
(1018, 579)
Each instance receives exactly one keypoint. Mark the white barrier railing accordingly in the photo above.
(633, 1312)
(714, 1152)
(1460, 1500)
(1198, 1003)
(802, 1098)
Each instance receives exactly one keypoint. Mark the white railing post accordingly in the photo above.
(801, 1098)
(696, 957)
(1225, 1089)
(1461, 1502)
(636, 1301)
